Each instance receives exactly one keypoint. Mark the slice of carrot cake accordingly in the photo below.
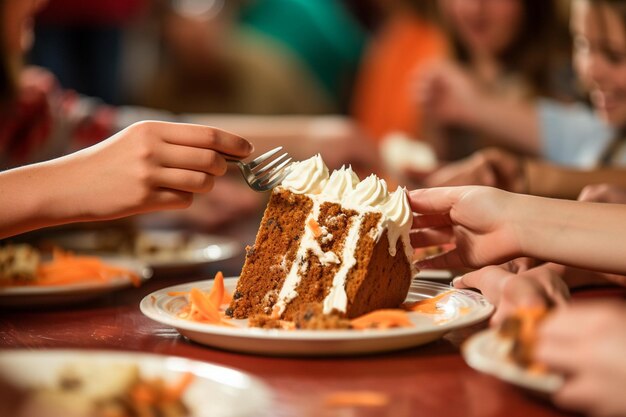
(332, 242)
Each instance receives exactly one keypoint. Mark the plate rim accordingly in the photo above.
(147, 306)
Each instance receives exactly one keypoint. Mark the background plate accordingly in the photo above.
(216, 391)
(38, 296)
(173, 249)
(487, 352)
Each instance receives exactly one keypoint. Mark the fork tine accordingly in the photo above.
(259, 160)
(277, 178)
(268, 176)
(265, 168)
(275, 182)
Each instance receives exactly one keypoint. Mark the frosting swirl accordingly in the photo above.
(399, 217)
(307, 177)
(341, 182)
(370, 192)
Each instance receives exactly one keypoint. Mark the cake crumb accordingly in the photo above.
(311, 317)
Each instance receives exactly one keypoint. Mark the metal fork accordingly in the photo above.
(266, 171)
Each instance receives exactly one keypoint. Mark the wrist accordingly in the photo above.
(522, 221)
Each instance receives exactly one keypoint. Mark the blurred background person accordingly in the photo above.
(326, 37)
(515, 50)
(598, 29)
(41, 120)
(210, 63)
(82, 43)
(406, 40)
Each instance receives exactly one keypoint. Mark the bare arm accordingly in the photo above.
(146, 167)
(545, 179)
(512, 124)
(453, 98)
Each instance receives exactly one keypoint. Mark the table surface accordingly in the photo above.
(431, 380)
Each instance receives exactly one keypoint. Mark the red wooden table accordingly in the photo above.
(430, 380)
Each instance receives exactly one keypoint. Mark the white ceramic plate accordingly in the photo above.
(33, 296)
(487, 352)
(461, 308)
(216, 391)
(179, 249)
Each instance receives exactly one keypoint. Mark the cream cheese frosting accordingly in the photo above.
(307, 177)
(399, 218)
(340, 183)
(371, 192)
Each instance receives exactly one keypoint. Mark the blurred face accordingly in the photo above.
(17, 22)
(600, 58)
(485, 26)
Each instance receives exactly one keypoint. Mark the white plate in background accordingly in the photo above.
(488, 352)
(178, 249)
(216, 391)
(52, 295)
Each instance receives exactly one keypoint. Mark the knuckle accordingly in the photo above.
(215, 163)
(212, 137)
(145, 128)
(185, 200)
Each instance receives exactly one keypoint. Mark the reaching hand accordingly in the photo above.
(586, 342)
(537, 287)
(148, 166)
(477, 219)
(491, 167)
(448, 93)
(603, 193)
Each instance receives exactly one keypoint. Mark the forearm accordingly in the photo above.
(583, 235)
(549, 180)
(513, 124)
(32, 197)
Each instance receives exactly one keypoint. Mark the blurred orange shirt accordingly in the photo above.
(383, 101)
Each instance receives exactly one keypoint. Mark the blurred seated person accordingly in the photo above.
(210, 64)
(43, 121)
(600, 40)
(323, 34)
(512, 49)
(81, 42)
(407, 40)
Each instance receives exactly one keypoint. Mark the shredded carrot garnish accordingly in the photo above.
(149, 393)
(66, 268)
(175, 392)
(177, 293)
(382, 319)
(202, 308)
(217, 290)
(427, 306)
(142, 394)
(315, 228)
(205, 307)
(356, 399)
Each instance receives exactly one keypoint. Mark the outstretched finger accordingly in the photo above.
(202, 137)
(434, 200)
